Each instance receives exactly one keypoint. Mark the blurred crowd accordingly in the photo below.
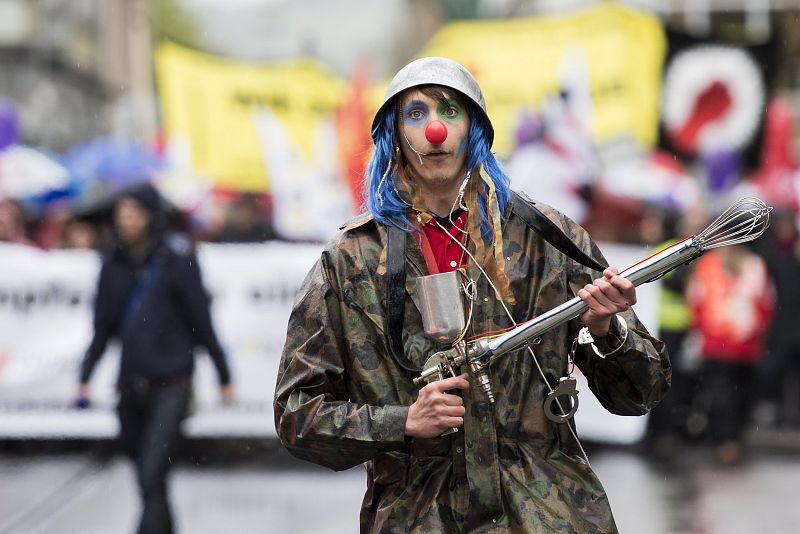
(243, 219)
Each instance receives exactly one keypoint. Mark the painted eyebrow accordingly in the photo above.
(414, 104)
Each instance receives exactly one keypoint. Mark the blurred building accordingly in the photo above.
(77, 68)
(80, 68)
(339, 33)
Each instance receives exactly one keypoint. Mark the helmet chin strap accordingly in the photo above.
(417, 152)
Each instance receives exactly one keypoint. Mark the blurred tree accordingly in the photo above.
(172, 21)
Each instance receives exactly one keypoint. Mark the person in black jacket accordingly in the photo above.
(150, 296)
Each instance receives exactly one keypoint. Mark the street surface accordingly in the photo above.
(76, 492)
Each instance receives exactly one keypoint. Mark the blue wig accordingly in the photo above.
(381, 196)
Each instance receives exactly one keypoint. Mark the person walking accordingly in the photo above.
(150, 296)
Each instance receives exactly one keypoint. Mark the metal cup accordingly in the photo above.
(441, 306)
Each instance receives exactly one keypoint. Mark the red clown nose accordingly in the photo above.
(436, 133)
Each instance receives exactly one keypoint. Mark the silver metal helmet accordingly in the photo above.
(434, 71)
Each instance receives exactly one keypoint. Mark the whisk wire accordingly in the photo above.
(745, 220)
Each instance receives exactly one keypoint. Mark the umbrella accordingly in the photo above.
(26, 173)
(115, 163)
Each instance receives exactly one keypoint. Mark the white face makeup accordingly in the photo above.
(434, 140)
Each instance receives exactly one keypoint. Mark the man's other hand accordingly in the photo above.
(606, 297)
(436, 411)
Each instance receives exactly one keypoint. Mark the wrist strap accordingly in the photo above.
(585, 337)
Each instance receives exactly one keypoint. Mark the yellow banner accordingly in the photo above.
(211, 102)
(519, 62)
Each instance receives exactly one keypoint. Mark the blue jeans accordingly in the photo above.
(150, 416)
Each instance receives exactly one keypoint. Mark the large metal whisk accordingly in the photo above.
(745, 220)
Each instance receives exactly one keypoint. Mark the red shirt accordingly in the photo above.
(447, 254)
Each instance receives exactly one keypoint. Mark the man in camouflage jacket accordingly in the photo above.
(342, 399)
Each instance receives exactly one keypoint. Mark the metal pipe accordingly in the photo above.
(645, 271)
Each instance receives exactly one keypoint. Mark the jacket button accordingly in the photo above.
(459, 449)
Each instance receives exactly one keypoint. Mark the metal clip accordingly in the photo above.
(584, 337)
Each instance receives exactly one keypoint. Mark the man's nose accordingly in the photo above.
(436, 132)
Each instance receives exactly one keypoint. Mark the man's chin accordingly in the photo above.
(440, 178)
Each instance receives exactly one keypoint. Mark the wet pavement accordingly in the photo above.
(269, 491)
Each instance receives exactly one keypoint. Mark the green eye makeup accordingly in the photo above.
(451, 112)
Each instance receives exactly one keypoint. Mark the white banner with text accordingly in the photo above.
(46, 301)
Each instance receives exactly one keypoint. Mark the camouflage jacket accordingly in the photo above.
(341, 399)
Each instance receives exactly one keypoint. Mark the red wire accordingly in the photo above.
(490, 333)
(655, 254)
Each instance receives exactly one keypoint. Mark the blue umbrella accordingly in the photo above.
(113, 163)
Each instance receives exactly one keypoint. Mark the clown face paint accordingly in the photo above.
(436, 168)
